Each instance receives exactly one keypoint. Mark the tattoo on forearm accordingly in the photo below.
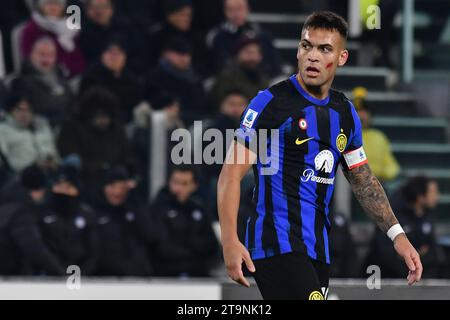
(371, 196)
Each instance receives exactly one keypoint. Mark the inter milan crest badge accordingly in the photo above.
(341, 142)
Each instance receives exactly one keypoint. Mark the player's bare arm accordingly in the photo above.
(228, 198)
(373, 199)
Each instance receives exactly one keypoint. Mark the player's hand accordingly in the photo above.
(411, 257)
(235, 254)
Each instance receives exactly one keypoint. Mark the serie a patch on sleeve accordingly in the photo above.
(355, 158)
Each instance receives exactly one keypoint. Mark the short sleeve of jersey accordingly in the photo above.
(354, 155)
(254, 118)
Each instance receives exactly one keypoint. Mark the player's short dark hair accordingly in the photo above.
(327, 20)
(415, 187)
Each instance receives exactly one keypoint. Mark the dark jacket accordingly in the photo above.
(188, 244)
(22, 248)
(125, 87)
(187, 86)
(250, 83)
(69, 230)
(94, 38)
(95, 148)
(222, 42)
(50, 95)
(127, 235)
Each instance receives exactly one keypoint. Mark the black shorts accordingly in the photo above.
(292, 276)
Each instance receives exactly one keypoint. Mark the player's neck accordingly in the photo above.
(318, 92)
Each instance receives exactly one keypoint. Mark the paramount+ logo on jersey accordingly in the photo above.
(324, 163)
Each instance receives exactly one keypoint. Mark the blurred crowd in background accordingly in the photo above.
(85, 140)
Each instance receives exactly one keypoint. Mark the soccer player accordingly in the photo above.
(286, 242)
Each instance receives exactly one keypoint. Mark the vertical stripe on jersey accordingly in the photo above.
(307, 191)
(269, 232)
(323, 129)
(279, 197)
(260, 209)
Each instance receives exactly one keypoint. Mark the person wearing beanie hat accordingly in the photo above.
(111, 72)
(125, 229)
(221, 40)
(23, 250)
(244, 72)
(68, 223)
(96, 137)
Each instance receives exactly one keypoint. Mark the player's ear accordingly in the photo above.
(343, 57)
(298, 52)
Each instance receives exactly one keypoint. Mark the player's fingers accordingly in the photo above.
(248, 262)
(410, 263)
(241, 279)
(419, 267)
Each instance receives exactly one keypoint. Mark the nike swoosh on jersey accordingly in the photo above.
(300, 142)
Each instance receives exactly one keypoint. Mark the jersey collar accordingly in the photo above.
(305, 94)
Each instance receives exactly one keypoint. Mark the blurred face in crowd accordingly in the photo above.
(114, 58)
(100, 11)
(365, 118)
(22, 114)
(182, 184)
(52, 8)
(319, 55)
(430, 199)
(180, 60)
(38, 196)
(116, 193)
(181, 19)
(101, 121)
(233, 105)
(65, 188)
(236, 12)
(43, 55)
(250, 57)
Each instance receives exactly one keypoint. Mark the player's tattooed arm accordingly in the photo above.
(371, 196)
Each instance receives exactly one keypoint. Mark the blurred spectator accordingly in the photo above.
(26, 138)
(50, 93)
(95, 137)
(22, 248)
(178, 23)
(68, 225)
(342, 248)
(125, 228)
(417, 198)
(232, 106)
(175, 75)
(376, 144)
(13, 12)
(188, 243)
(49, 20)
(144, 14)
(244, 72)
(102, 24)
(152, 142)
(223, 38)
(112, 74)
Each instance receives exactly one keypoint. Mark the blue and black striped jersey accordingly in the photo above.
(314, 136)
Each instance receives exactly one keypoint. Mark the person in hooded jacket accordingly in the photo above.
(126, 232)
(188, 245)
(68, 224)
(23, 250)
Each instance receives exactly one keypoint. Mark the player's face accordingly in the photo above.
(432, 196)
(319, 55)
